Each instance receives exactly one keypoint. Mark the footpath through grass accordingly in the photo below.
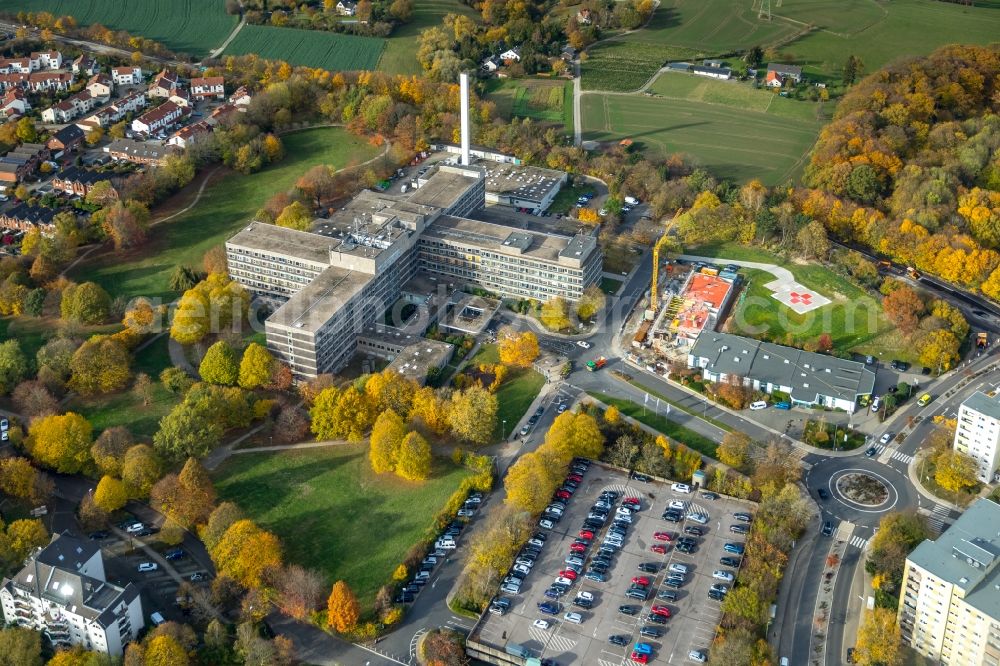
(226, 205)
(333, 514)
(517, 392)
(673, 430)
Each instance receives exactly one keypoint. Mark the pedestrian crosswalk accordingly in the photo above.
(885, 455)
(859, 542)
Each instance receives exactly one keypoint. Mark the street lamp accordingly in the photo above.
(504, 429)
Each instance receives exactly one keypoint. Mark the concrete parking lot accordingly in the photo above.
(693, 615)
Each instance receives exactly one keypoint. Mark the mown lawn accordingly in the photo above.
(546, 100)
(737, 95)
(225, 207)
(676, 432)
(517, 392)
(399, 56)
(333, 514)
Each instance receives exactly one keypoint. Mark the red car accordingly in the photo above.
(641, 580)
(578, 548)
(574, 477)
(660, 610)
(631, 500)
(663, 536)
(640, 658)
(568, 573)
(658, 548)
(586, 534)
(563, 494)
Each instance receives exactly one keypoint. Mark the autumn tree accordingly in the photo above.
(85, 303)
(573, 434)
(111, 494)
(413, 462)
(125, 223)
(938, 349)
(18, 478)
(247, 553)
(592, 302)
(188, 430)
(220, 520)
(61, 442)
(555, 314)
(898, 534)
(14, 365)
(21, 646)
(390, 390)
(142, 317)
(519, 349)
(141, 467)
(430, 410)
(734, 449)
(164, 650)
(342, 608)
(219, 365)
(110, 448)
(812, 241)
(295, 216)
(612, 416)
(212, 305)
(473, 415)
(318, 183)
(291, 425)
(255, 366)
(188, 498)
(100, 365)
(387, 436)
(878, 641)
(531, 480)
(300, 591)
(955, 471)
(142, 388)
(903, 306)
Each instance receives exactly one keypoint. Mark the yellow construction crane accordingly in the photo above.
(663, 241)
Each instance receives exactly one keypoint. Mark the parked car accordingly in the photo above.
(626, 609)
(719, 574)
(729, 561)
(760, 404)
(148, 566)
(618, 639)
(541, 624)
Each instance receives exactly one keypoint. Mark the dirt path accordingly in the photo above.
(239, 26)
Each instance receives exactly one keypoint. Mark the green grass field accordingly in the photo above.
(226, 206)
(517, 392)
(737, 95)
(401, 46)
(546, 100)
(333, 514)
(730, 142)
(312, 48)
(659, 423)
(854, 319)
(185, 26)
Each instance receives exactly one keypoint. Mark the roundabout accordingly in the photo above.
(861, 490)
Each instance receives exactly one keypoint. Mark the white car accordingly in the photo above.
(677, 504)
(148, 566)
(589, 596)
(583, 343)
(575, 618)
(562, 408)
(562, 580)
(521, 568)
(722, 575)
(536, 542)
(546, 523)
(466, 513)
(760, 404)
(541, 624)
(886, 438)
(697, 655)
(680, 488)
(699, 518)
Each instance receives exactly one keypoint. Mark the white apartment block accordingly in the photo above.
(46, 60)
(62, 592)
(126, 76)
(331, 284)
(949, 609)
(977, 433)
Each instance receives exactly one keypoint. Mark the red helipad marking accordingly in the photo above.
(805, 299)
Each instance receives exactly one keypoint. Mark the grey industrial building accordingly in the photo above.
(809, 378)
(333, 282)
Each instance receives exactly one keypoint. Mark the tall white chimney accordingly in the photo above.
(463, 79)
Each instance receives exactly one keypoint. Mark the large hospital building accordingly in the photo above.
(333, 282)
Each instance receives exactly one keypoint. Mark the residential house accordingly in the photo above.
(74, 180)
(723, 73)
(118, 111)
(568, 53)
(584, 17)
(127, 76)
(139, 152)
(100, 87)
(181, 97)
(511, 55)
(69, 108)
(792, 72)
(15, 66)
(51, 60)
(222, 111)
(85, 65)
(211, 87)
(773, 80)
(66, 140)
(157, 119)
(14, 104)
(241, 98)
(22, 162)
(23, 217)
(189, 134)
(49, 81)
(62, 592)
(347, 7)
(809, 379)
(13, 81)
(491, 64)
(164, 85)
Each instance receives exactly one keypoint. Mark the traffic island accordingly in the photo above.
(863, 489)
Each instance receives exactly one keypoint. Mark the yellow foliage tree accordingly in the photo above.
(517, 349)
(247, 553)
(414, 460)
(164, 650)
(955, 471)
(734, 449)
(430, 409)
(342, 608)
(111, 494)
(573, 434)
(878, 639)
(612, 416)
(555, 314)
(387, 436)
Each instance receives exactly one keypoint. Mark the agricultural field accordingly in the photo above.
(624, 65)
(735, 94)
(547, 100)
(732, 143)
(185, 26)
(228, 202)
(311, 48)
(334, 514)
(398, 56)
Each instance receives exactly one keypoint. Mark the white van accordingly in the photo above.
(680, 488)
(760, 404)
(679, 568)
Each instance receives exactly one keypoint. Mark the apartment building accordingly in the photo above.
(949, 609)
(330, 284)
(977, 433)
(63, 593)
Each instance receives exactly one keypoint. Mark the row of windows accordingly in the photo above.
(269, 257)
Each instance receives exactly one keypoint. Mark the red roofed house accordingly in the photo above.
(164, 85)
(46, 60)
(42, 81)
(126, 76)
(15, 103)
(773, 80)
(211, 87)
(158, 119)
(185, 136)
(241, 97)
